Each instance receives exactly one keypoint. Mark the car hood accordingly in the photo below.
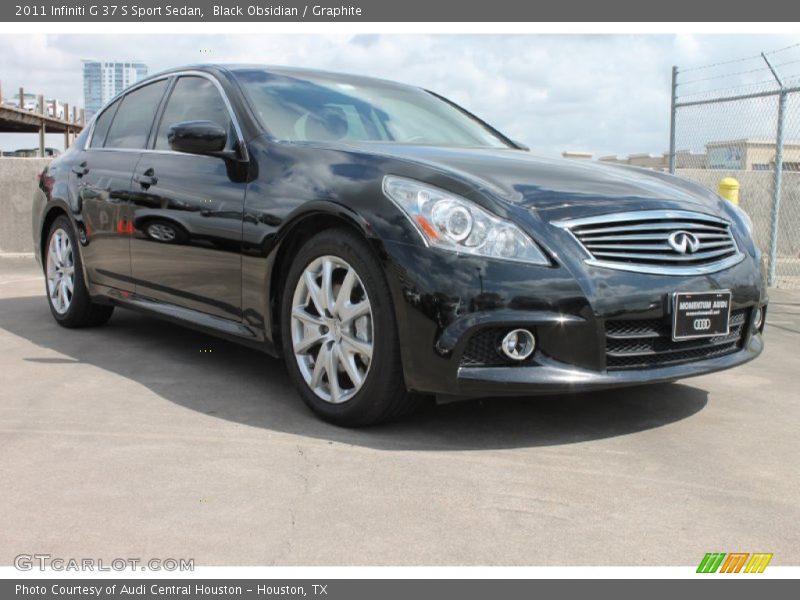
(554, 188)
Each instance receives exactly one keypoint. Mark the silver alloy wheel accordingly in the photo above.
(161, 232)
(332, 333)
(60, 271)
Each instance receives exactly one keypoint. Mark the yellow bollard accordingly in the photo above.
(729, 189)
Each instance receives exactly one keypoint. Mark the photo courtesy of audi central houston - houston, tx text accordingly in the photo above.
(399, 300)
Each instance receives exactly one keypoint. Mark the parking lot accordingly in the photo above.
(143, 439)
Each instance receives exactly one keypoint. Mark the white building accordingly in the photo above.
(102, 80)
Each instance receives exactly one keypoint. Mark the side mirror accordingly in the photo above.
(198, 137)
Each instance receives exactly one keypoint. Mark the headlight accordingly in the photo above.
(743, 217)
(449, 222)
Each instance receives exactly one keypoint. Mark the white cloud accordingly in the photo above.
(608, 94)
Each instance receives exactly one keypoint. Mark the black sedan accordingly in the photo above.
(389, 244)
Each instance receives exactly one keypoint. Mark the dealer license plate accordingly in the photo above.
(705, 314)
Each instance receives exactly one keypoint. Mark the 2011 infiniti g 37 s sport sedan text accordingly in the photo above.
(388, 244)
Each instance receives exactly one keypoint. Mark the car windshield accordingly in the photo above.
(324, 108)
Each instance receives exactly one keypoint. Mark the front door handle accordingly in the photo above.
(146, 179)
(81, 169)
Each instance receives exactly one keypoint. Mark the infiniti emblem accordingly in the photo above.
(683, 242)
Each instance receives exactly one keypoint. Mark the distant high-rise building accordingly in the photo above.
(102, 80)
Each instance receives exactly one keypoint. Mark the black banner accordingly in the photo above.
(395, 11)
(389, 589)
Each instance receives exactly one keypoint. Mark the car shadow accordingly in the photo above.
(226, 381)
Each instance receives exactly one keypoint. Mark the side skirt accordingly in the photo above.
(217, 326)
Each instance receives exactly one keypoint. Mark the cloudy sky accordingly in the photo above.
(606, 94)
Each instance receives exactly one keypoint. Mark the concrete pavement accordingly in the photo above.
(143, 439)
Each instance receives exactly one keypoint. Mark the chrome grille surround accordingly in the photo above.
(638, 241)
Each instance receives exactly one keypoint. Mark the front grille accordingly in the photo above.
(657, 241)
(648, 343)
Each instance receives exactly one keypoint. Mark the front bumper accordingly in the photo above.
(444, 302)
(552, 377)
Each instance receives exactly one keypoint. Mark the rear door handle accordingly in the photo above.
(81, 169)
(146, 179)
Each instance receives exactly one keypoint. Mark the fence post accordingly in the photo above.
(673, 114)
(776, 190)
(42, 127)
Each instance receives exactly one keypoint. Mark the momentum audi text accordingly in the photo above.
(388, 244)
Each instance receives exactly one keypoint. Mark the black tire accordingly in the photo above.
(82, 312)
(383, 396)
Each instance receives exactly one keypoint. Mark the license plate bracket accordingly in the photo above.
(701, 314)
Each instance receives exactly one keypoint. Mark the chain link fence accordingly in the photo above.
(741, 119)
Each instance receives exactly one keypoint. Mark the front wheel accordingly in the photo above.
(339, 333)
(67, 294)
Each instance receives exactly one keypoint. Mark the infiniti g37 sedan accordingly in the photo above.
(388, 244)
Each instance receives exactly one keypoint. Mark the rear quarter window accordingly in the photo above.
(101, 125)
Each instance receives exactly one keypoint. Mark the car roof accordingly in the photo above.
(298, 72)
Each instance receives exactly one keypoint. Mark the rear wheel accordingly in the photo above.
(67, 294)
(339, 333)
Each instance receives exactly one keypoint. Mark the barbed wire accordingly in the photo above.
(738, 60)
(782, 49)
(724, 75)
(735, 87)
(719, 64)
(723, 93)
(785, 77)
(788, 62)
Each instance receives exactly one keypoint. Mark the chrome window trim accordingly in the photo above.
(191, 73)
(669, 270)
(144, 151)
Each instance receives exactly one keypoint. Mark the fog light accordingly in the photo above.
(518, 344)
(758, 321)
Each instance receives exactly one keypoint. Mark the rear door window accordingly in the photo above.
(134, 119)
